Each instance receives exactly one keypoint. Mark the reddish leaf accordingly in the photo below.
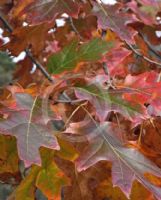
(23, 72)
(127, 163)
(52, 47)
(145, 88)
(146, 13)
(83, 30)
(115, 59)
(105, 102)
(27, 126)
(111, 17)
(106, 65)
(156, 3)
(47, 10)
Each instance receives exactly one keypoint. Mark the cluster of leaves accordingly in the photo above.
(85, 124)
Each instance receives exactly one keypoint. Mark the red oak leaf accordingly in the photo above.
(145, 88)
(156, 3)
(27, 125)
(111, 17)
(47, 10)
(115, 59)
(106, 101)
(146, 13)
(127, 163)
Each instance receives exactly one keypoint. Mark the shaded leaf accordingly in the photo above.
(107, 190)
(67, 151)
(19, 7)
(153, 40)
(40, 195)
(26, 189)
(83, 184)
(9, 161)
(7, 68)
(81, 25)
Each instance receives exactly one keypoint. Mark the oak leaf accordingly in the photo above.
(128, 164)
(48, 178)
(106, 101)
(47, 10)
(111, 17)
(26, 124)
(8, 155)
(146, 13)
(28, 36)
(145, 88)
(73, 54)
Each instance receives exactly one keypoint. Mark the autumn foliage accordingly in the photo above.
(80, 111)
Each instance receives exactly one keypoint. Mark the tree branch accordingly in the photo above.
(38, 65)
(28, 52)
(6, 24)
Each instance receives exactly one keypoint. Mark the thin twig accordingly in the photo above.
(141, 133)
(141, 55)
(104, 64)
(6, 24)
(90, 3)
(149, 46)
(105, 68)
(106, 71)
(38, 65)
(74, 28)
(73, 113)
(28, 52)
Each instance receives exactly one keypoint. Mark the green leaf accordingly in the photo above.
(26, 190)
(105, 101)
(50, 178)
(9, 161)
(7, 68)
(71, 55)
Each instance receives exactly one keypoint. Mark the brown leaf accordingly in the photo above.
(28, 36)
